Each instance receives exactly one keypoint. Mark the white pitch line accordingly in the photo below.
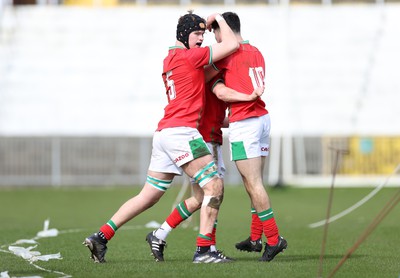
(63, 275)
(70, 231)
(356, 205)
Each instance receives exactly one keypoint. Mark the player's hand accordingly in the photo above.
(258, 92)
(210, 19)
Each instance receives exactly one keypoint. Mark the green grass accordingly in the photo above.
(23, 212)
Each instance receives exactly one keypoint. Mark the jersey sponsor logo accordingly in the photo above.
(264, 149)
(179, 158)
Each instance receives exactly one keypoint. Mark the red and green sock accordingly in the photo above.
(178, 215)
(107, 231)
(270, 228)
(256, 228)
(214, 234)
(204, 242)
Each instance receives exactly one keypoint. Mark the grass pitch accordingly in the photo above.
(78, 212)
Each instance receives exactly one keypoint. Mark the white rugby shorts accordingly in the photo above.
(175, 146)
(250, 138)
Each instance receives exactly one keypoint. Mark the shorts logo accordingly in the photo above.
(179, 158)
(264, 149)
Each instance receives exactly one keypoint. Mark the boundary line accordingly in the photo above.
(356, 205)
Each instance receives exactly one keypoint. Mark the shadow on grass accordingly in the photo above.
(293, 258)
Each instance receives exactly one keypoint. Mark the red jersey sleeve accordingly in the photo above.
(200, 57)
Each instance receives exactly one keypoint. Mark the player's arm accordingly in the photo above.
(210, 72)
(228, 44)
(229, 95)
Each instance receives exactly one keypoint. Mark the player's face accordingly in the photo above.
(217, 34)
(196, 39)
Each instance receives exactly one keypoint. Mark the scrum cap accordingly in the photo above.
(187, 24)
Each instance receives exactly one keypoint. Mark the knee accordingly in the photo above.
(216, 187)
(214, 198)
(150, 201)
(213, 201)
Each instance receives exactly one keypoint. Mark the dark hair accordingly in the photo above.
(232, 19)
(187, 24)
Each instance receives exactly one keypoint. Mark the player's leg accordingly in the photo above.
(182, 145)
(204, 172)
(148, 196)
(185, 209)
(154, 188)
(159, 178)
(187, 150)
(157, 238)
(244, 137)
(249, 147)
(275, 243)
(181, 212)
(197, 162)
(216, 151)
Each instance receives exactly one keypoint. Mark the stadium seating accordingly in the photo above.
(95, 71)
(78, 71)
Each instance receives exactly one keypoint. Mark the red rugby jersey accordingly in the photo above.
(213, 116)
(184, 80)
(244, 71)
